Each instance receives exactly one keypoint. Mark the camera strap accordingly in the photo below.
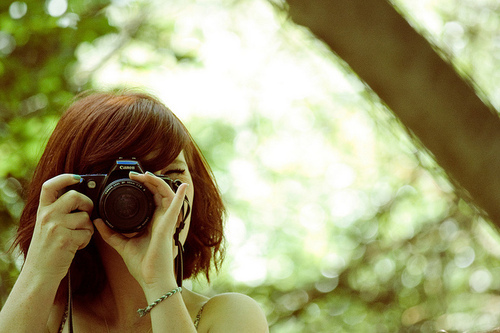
(68, 313)
(179, 264)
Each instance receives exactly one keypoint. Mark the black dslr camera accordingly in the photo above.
(125, 205)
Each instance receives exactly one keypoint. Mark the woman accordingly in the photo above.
(81, 275)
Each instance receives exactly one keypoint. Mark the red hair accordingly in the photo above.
(99, 128)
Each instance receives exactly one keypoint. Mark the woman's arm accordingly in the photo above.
(170, 315)
(28, 306)
(62, 227)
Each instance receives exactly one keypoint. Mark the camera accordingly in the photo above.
(125, 205)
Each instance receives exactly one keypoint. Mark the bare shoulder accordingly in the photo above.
(233, 312)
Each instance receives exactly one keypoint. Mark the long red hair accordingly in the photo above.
(97, 129)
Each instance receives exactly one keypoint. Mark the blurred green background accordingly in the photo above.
(338, 220)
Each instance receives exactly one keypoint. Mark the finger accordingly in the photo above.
(178, 200)
(82, 237)
(79, 221)
(51, 188)
(80, 227)
(176, 204)
(112, 238)
(157, 186)
(74, 201)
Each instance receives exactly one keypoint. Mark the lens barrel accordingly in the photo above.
(126, 205)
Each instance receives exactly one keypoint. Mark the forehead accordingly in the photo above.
(180, 159)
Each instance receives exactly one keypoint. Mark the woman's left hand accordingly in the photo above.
(149, 256)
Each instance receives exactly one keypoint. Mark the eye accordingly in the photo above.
(175, 172)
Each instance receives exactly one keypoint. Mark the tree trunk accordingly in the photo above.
(424, 92)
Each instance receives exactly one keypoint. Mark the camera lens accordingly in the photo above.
(126, 205)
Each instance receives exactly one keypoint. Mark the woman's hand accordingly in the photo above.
(149, 255)
(62, 227)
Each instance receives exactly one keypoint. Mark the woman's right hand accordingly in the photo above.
(63, 226)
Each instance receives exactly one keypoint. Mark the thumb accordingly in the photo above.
(112, 238)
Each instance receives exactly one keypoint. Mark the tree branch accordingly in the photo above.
(427, 95)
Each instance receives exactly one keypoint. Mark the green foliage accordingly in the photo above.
(398, 268)
(37, 60)
(36, 77)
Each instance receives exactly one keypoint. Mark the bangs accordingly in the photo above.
(158, 141)
(130, 126)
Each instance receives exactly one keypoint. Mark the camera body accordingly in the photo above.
(125, 205)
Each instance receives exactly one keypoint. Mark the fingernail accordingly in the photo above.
(77, 177)
(134, 173)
